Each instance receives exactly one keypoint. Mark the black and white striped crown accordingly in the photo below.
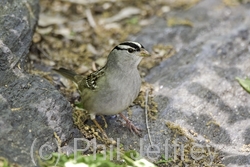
(129, 45)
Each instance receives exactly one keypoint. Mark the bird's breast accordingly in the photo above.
(115, 93)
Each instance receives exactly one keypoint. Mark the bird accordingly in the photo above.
(113, 88)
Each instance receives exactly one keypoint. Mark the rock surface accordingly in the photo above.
(196, 88)
(17, 20)
(32, 110)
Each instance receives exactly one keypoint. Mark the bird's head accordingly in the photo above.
(127, 54)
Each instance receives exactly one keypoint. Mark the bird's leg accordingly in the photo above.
(99, 127)
(130, 125)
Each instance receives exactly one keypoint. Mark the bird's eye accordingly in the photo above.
(130, 50)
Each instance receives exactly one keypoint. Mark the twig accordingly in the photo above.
(90, 18)
(146, 113)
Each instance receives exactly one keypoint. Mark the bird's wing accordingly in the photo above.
(91, 80)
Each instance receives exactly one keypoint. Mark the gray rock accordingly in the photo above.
(17, 20)
(32, 110)
(196, 88)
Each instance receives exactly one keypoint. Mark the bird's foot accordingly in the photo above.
(131, 126)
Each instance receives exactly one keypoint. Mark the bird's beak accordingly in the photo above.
(144, 53)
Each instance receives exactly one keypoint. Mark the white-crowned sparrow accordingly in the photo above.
(114, 87)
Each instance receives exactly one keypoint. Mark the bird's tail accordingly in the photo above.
(66, 73)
